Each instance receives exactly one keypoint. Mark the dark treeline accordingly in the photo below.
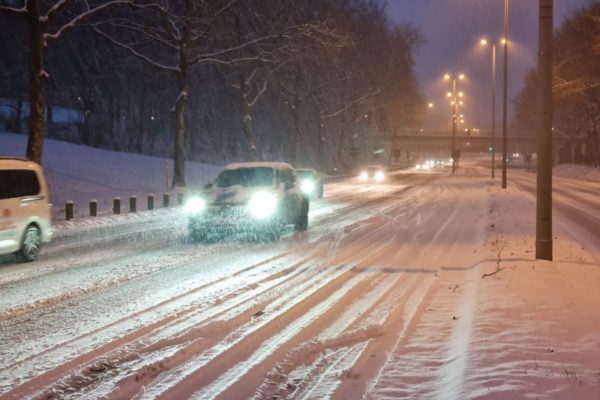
(307, 81)
(576, 90)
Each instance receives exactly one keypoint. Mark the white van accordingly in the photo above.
(24, 208)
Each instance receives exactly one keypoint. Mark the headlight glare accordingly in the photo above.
(363, 176)
(307, 186)
(379, 175)
(194, 205)
(262, 205)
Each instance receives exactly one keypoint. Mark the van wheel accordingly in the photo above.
(32, 241)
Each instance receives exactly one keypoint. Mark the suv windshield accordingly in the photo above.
(257, 176)
(303, 174)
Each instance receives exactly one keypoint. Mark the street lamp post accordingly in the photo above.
(505, 98)
(454, 115)
(485, 42)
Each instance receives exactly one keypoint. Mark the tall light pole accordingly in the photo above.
(543, 239)
(505, 98)
(484, 42)
(454, 114)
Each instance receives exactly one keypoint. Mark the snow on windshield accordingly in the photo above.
(259, 176)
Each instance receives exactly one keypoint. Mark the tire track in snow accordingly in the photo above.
(371, 203)
(421, 359)
(290, 309)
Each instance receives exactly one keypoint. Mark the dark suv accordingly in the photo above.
(256, 198)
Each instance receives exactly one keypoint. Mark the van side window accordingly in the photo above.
(18, 183)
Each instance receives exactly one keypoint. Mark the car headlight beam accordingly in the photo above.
(194, 205)
(307, 186)
(363, 176)
(262, 205)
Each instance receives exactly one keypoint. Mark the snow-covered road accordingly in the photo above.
(383, 297)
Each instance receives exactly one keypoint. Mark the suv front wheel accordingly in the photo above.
(301, 224)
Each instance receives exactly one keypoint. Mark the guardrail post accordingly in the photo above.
(150, 202)
(117, 205)
(132, 204)
(69, 210)
(93, 208)
(180, 198)
(166, 200)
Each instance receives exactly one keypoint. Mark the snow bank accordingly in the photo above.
(577, 171)
(81, 173)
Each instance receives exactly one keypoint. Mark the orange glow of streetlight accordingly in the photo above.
(460, 94)
(461, 76)
(483, 42)
(447, 77)
(430, 105)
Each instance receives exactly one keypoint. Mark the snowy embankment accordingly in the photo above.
(81, 173)
(577, 171)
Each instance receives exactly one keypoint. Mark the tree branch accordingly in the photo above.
(83, 15)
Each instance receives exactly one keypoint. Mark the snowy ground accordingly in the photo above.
(383, 297)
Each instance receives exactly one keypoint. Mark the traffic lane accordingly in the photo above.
(580, 213)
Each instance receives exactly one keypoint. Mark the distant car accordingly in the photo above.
(311, 182)
(373, 173)
(256, 198)
(24, 208)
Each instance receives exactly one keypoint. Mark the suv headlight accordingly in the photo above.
(262, 205)
(307, 186)
(194, 205)
(379, 175)
(363, 176)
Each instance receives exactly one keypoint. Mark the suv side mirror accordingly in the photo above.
(208, 186)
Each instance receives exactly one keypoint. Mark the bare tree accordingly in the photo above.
(178, 36)
(47, 23)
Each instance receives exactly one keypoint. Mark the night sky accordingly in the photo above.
(452, 30)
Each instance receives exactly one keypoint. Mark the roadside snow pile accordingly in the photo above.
(577, 171)
(536, 327)
(81, 173)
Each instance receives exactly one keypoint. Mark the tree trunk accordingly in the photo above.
(142, 121)
(181, 104)
(18, 116)
(247, 121)
(296, 130)
(342, 141)
(38, 77)
(49, 120)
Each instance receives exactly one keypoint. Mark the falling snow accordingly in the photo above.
(384, 297)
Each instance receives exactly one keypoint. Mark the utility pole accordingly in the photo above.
(505, 99)
(454, 116)
(543, 239)
(494, 111)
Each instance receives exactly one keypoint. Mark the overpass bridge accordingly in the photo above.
(435, 143)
